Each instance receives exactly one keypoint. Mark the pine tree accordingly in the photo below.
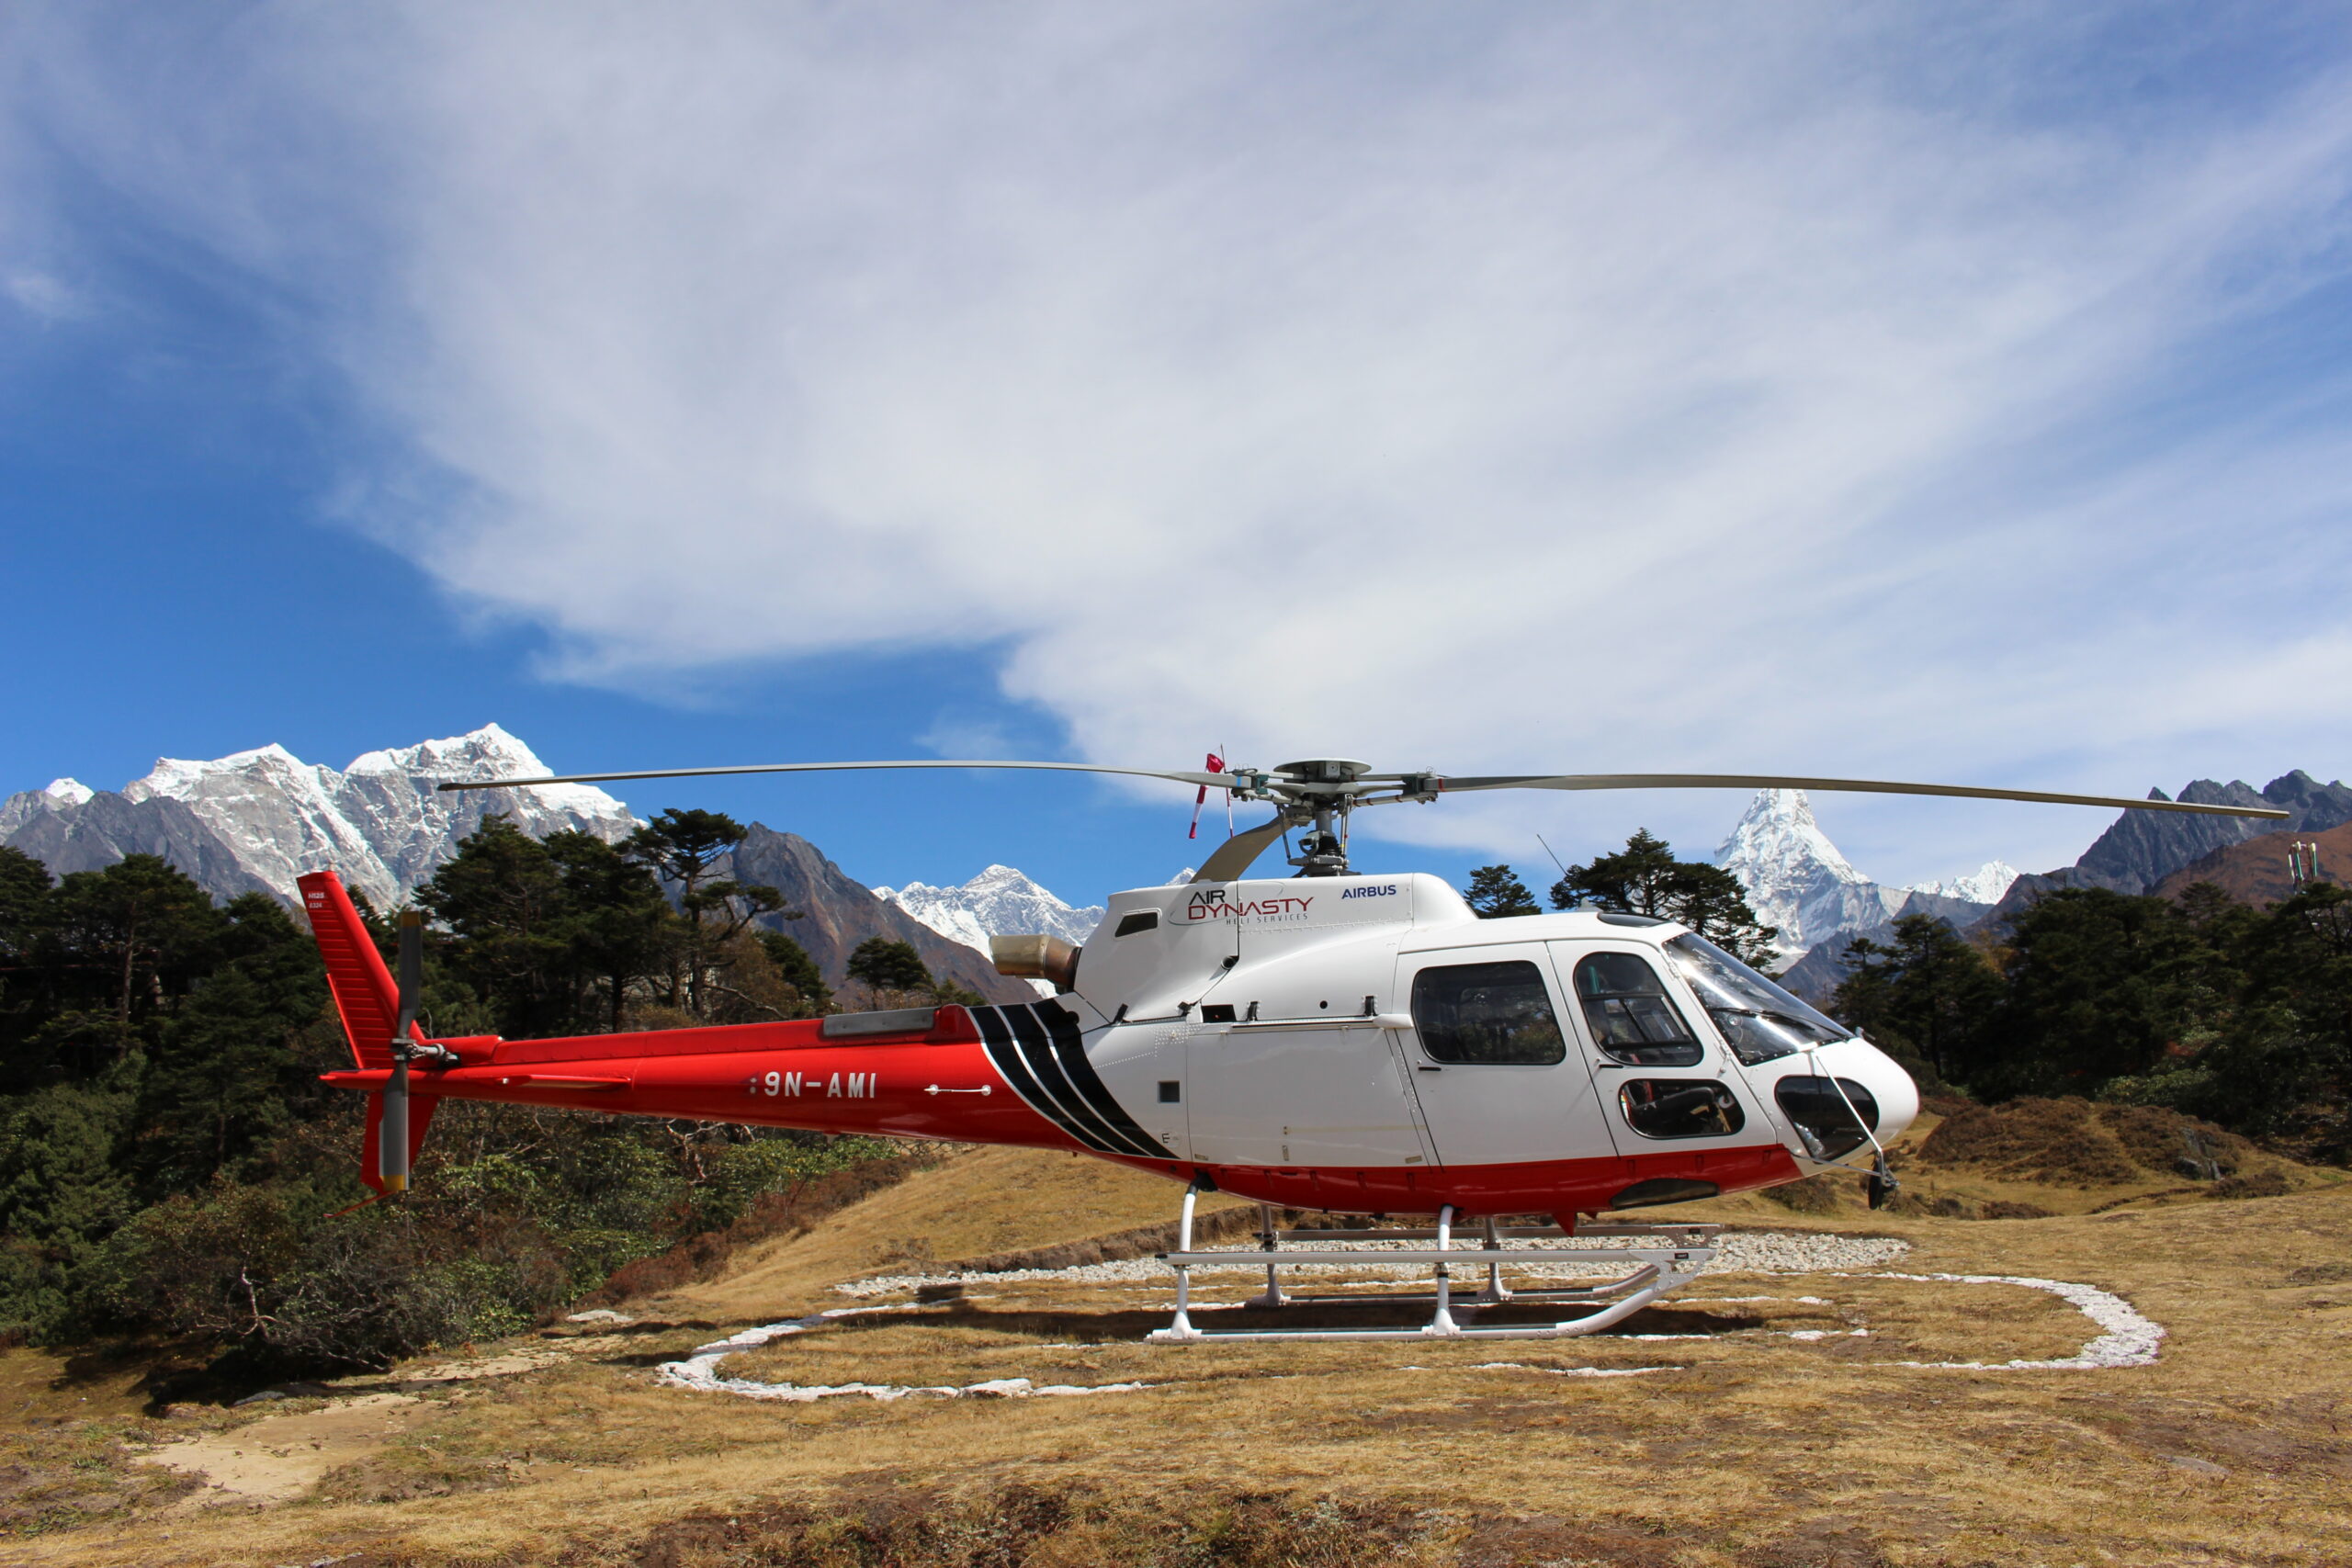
(1496, 892)
(229, 1066)
(798, 970)
(143, 924)
(1928, 993)
(684, 848)
(880, 964)
(1644, 878)
(501, 900)
(619, 928)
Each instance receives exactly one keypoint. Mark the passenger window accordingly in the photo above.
(1487, 1013)
(1631, 1017)
(1680, 1108)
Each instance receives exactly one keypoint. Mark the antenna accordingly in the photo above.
(1553, 853)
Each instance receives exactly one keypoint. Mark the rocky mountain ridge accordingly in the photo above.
(256, 820)
(2141, 851)
(2144, 848)
(837, 913)
(1000, 901)
(2261, 871)
(252, 821)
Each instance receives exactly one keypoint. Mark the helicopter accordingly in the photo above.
(1330, 1041)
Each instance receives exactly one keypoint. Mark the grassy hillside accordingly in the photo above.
(1737, 1444)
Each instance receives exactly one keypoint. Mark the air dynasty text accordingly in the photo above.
(1217, 904)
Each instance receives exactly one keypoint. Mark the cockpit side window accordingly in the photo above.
(1487, 1013)
(1631, 1015)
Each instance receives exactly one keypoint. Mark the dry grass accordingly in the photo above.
(2075, 1144)
(982, 1201)
(776, 1218)
(1761, 1452)
(2035, 1158)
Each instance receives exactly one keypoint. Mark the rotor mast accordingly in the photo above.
(1324, 849)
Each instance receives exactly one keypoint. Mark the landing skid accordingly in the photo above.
(1678, 1254)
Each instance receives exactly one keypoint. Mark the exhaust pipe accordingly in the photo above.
(1035, 958)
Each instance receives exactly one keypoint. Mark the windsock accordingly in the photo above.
(1216, 764)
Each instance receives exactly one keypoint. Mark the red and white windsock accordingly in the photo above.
(1216, 764)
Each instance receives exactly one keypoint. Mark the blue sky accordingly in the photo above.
(1828, 389)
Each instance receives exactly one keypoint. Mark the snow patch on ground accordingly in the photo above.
(2130, 1340)
(700, 1372)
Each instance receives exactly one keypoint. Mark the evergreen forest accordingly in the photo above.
(170, 1169)
(2236, 1014)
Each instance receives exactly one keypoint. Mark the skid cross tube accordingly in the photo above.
(1677, 1254)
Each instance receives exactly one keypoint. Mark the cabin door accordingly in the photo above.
(1501, 1078)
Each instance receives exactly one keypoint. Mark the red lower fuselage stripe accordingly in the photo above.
(952, 1091)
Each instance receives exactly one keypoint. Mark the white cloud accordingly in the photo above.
(40, 296)
(1485, 387)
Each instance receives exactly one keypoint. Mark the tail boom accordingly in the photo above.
(936, 1081)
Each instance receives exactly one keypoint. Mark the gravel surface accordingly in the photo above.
(1760, 1252)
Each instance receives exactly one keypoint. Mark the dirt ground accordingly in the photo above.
(1754, 1427)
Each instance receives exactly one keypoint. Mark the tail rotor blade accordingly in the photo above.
(412, 973)
(392, 1133)
(392, 1139)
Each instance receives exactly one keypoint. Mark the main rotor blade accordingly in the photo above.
(1854, 787)
(1218, 780)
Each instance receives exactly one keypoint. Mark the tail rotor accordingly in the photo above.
(391, 1141)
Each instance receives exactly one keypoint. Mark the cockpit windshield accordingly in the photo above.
(1759, 1020)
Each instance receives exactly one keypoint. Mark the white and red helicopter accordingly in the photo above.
(1325, 1042)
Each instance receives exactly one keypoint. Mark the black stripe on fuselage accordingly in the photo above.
(1037, 1051)
(996, 1035)
(1070, 1050)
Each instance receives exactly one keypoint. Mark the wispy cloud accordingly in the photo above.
(1480, 386)
(43, 297)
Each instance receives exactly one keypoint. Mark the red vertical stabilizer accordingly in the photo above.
(364, 994)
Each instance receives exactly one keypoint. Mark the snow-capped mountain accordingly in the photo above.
(1797, 880)
(262, 817)
(1984, 885)
(1795, 877)
(19, 809)
(1000, 901)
